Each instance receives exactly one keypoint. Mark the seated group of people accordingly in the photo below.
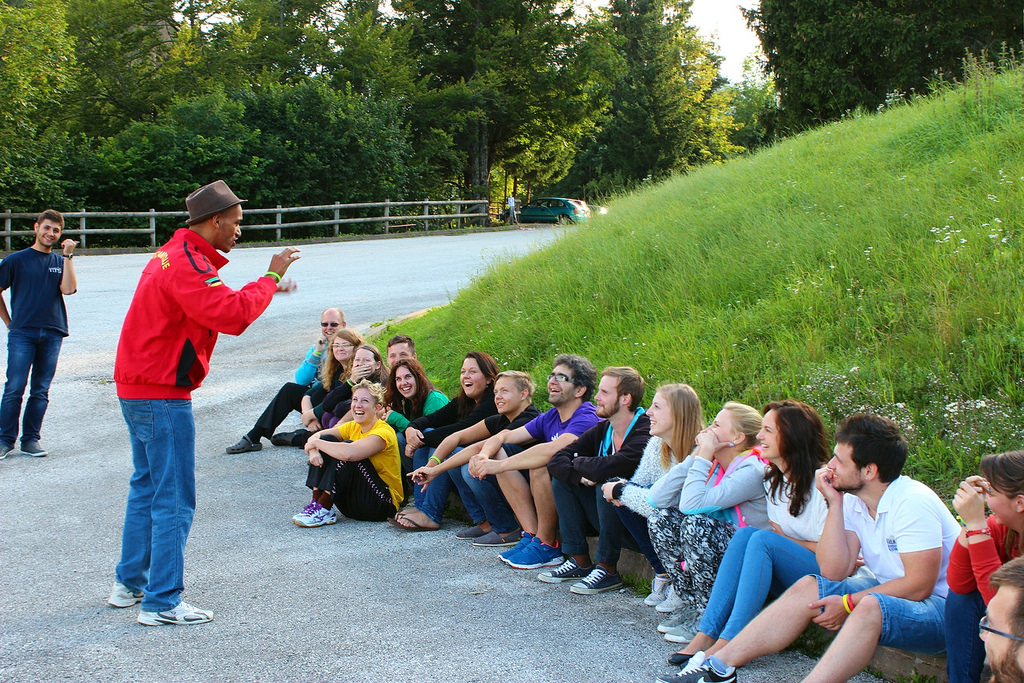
(754, 504)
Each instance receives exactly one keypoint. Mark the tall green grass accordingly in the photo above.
(872, 264)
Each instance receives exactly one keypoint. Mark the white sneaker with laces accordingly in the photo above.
(182, 615)
(319, 516)
(123, 596)
(671, 603)
(659, 590)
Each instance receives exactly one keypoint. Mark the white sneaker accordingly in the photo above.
(671, 603)
(659, 590)
(676, 619)
(123, 596)
(318, 516)
(182, 615)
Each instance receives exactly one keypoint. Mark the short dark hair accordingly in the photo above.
(874, 439)
(584, 374)
(630, 382)
(1011, 575)
(53, 215)
(403, 339)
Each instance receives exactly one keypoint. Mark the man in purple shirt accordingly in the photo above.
(524, 477)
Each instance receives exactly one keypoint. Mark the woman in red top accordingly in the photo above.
(984, 545)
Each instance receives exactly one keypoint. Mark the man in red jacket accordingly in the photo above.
(180, 306)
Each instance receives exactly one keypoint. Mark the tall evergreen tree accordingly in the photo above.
(495, 71)
(666, 111)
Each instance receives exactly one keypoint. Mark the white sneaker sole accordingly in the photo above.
(123, 601)
(327, 522)
(154, 619)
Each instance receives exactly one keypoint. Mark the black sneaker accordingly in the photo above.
(598, 580)
(699, 670)
(5, 450)
(34, 449)
(567, 571)
(244, 445)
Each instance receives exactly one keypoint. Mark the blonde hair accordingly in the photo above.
(687, 422)
(522, 380)
(331, 365)
(376, 390)
(746, 420)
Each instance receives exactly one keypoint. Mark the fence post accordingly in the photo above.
(426, 212)
(458, 210)
(81, 225)
(7, 228)
(387, 212)
(277, 221)
(152, 227)
(337, 214)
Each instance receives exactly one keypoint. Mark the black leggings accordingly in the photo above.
(357, 489)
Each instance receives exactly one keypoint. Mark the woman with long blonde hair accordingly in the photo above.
(676, 419)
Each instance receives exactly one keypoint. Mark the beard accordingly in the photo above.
(1006, 670)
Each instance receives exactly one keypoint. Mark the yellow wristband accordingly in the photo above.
(274, 276)
(435, 459)
(847, 605)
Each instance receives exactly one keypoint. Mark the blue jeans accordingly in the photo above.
(488, 494)
(432, 501)
(914, 625)
(582, 507)
(32, 349)
(161, 499)
(757, 562)
(965, 651)
(637, 528)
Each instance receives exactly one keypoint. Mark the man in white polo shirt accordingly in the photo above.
(905, 534)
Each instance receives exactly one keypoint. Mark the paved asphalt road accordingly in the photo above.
(355, 601)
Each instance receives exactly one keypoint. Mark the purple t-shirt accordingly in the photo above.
(549, 426)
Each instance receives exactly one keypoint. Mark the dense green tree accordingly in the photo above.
(831, 56)
(36, 62)
(667, 112)
(755, 108)
(496, 72)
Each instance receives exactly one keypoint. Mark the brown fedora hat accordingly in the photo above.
(209, 200)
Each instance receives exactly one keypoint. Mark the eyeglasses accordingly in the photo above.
(559, 377)
(983, 626)
(329, 324)
(341, 345)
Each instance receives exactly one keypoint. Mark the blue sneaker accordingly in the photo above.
(526, 540)
(536, 555)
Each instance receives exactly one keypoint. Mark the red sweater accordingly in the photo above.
(970, 568)
(179, 307)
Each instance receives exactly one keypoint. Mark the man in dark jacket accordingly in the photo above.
(179, 307)
(612, 448)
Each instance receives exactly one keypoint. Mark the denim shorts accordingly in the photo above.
(906, 624)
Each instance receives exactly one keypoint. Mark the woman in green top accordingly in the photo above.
(409, 395)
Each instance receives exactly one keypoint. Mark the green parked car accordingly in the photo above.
(554, 210)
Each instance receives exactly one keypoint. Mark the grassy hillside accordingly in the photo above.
(871, 264)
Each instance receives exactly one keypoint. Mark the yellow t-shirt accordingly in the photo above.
(387, 462)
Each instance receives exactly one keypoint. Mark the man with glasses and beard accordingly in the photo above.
(1002, 629)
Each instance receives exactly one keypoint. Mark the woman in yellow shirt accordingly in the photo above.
(354, 466)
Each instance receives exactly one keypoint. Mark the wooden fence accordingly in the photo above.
(393, 215)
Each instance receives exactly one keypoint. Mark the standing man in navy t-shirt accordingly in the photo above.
(37, 324)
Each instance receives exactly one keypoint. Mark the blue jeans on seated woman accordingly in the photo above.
(965, 651)
(757, 562)
(432, 501)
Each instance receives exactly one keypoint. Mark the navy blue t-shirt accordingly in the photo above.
(34, 280)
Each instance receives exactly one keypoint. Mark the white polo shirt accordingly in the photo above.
(910, 518)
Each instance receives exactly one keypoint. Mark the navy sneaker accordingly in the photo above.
(34, 449)
(536, 555)
(526, 540)
(598, 580)
(569, 571)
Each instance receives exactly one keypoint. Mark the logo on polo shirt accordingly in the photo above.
(890, 543)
